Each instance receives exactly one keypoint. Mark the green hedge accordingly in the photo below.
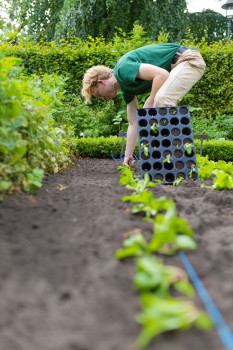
(213, 93)
(101, 148)
(216, 150)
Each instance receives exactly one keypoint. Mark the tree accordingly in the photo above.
(207, 24)
(62, 18)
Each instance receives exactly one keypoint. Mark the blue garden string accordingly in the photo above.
(223, 330)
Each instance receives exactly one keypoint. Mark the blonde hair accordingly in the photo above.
(91, 77)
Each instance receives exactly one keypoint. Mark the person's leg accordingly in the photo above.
(180, 81)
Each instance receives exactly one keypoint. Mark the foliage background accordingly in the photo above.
(31, 142)
(213, 93)
(57, 19)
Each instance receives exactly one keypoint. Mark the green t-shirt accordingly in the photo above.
(128, 65)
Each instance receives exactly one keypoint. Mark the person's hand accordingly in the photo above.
(128, 160)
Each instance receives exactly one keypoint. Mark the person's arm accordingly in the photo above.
(157, 75)
(131, 132)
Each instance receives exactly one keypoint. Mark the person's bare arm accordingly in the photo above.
(157, 75)
(131, 132)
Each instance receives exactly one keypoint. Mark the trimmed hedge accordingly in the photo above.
(101, 148)
(213, 93)
(216, 150)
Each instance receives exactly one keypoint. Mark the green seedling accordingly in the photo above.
(141, 185)
(165, 314)
(221, 181)
(178, 181)
(134, 245)
(206, 167)
(166, 228)
(188, 148)
(168, 159)
(192, 170)
(154, 127)
(153, 276)
(145, 147)
(147, 203)
(131, 181)
(127, 177)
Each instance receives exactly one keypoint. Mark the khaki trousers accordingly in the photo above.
(186, 72)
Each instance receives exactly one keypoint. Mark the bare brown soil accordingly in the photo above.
(61, 287)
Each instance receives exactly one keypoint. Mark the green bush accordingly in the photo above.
(88, 121)
(213, 92)
(31, 143)
(216, 150)
(219, 127)
(102, 147)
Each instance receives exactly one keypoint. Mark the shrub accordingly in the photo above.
(101, 148)
(31, 143)
(216, 150)
(213, 92)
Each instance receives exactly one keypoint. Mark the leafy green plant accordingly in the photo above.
(169, 231)
(31, 143)
(165, 314)
(145, 147)
(132, 182)
(193, 168)
(153, 276)
(34, 180)
(160, 311)
(221, 181)
(132, 246)
(223, 173)
(178, 181)
(188, 148)
(147, 203)
(154, 127)
(168, 159)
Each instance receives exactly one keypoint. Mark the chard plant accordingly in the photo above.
(165, 314)
(221, 181)
(153, 276)
(170, 233)
(147, 203)
(127, 177)
(132, 246)
(160, 310)
(132, 182)
(222, 171)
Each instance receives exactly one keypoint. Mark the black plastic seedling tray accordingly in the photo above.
(173, 131)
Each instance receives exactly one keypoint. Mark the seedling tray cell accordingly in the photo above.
(164, 133)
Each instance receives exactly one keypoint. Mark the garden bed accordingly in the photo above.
(61, 287)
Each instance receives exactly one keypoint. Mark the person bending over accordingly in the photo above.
(168, 71)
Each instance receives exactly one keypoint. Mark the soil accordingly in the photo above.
(61, 287)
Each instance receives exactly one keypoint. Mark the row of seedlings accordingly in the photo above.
(161, 311)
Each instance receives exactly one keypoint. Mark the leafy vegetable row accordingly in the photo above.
(223, 172)
(160, 310)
